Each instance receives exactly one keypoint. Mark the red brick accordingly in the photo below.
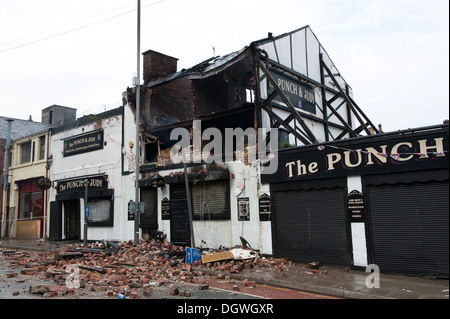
(134, 295)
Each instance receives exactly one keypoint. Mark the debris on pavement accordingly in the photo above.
(125, 268)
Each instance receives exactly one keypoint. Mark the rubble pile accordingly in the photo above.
(128, 269)
(257, 263)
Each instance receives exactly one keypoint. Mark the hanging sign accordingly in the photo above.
(355, 206)
(44, 183)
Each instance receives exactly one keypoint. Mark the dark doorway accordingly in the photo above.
(72, 219)
(148, 221)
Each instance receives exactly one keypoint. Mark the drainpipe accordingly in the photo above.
(7, 151)
(47, 175)
(6, 172)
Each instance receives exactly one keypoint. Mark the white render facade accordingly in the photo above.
(106, 165)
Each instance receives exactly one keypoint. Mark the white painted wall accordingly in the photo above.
(106, 161)
(226, 233)
(300, 51)
(358, 231)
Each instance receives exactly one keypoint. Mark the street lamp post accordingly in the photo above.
(138, 116)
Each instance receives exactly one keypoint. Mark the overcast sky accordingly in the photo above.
(82, 53)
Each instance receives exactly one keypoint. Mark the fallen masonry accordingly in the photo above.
(133, 270)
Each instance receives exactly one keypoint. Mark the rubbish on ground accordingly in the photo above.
(8, 252)
(240, 254)
(313, 265)
(217, 256)
(407, 290)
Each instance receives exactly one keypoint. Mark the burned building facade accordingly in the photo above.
(237, 110)
(266, 144)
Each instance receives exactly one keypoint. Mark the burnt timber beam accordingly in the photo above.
(367, 119)
(350, 104)
(285, 124)
(347, 127)
(311, 137)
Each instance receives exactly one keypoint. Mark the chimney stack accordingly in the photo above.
(158, 65)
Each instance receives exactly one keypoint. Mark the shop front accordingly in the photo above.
(68, 211)
(381, 199)
(30, 221)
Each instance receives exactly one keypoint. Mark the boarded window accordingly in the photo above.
(100, 211)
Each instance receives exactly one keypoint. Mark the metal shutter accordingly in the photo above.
(55, 221)
(409, 227)
(210, 200)
(310, 226)
(149, 219)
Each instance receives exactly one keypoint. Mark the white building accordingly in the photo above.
(96, 149)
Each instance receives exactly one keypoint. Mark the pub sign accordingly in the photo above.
(83, 143)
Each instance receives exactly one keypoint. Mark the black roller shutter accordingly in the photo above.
(409, 228)
(310, 226)
(211, 200)
(55, 229)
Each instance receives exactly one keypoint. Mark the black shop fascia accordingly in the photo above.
(377, 154)
(98, 194)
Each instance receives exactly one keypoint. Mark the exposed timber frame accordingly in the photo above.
(300, 130)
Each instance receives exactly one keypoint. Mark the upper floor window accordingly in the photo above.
(41, 147)
(25, 152)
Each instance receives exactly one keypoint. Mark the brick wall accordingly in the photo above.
(158, 65)
(169, 103)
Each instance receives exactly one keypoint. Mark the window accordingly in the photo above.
(41, 147)
(30, 205)
(283, 139)
(211, 200)
(25, 152)
(100, 211)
